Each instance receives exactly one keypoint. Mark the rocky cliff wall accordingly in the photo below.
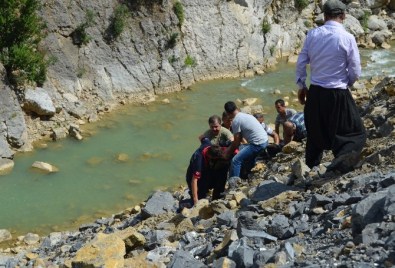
(217, 39)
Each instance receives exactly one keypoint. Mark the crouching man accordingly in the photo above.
(207, 170)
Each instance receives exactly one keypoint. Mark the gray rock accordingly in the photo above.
(159, 203)
(280, 227)
(368, 210)
(389, 203)
(370, 234)
(376, 24)
(264, 256)
(38, 101)
(318, 200)
(182, 259)
(13, 125)
(155, 238)
(226, 218)
(269, 189)
(241, 253)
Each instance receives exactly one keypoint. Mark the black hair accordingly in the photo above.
(230, 107)
(280, 101)
(214, 118)
(215, 151)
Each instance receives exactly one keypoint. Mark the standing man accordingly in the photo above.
(244, 126)
(331, 116)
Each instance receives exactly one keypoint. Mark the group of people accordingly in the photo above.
(232, 143)
(330, 120)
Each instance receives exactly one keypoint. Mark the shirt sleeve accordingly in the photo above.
(354, 62)
(301, 64)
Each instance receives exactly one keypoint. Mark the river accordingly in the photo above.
(156, 142)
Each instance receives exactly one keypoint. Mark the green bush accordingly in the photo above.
(190, 61)
(21, 30)
(179, 11)
(118, 22)
(301, 4)
(80, 36)
(171, 43)
(266, 27)
(364, 21)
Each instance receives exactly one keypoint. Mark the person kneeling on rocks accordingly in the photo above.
(294, 128)
(207, 170)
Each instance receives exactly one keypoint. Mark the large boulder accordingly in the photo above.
(159, 203)
(38, 101)
(103, 251)
(377, 3)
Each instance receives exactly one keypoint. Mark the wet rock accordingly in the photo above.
(45, 167)
(6, 166)
(5, 235)
(31, 238)
(75, 132)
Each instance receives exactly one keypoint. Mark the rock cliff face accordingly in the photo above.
(156, 54)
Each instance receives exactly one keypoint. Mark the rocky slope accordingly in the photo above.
(284, 215)
(155, 54)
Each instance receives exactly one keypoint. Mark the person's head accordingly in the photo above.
(334, 10)
(259, 117)
(226, 120)
(280, 106)
(216, 157)
(214, 122)
(230, 108)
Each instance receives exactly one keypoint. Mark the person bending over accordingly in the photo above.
(208, 169)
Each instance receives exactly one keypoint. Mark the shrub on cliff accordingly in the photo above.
(117, 23)
(179, 11)
(21, 30)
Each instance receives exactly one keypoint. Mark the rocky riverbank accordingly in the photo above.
(285, 215)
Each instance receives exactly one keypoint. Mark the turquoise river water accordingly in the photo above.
(158, 141)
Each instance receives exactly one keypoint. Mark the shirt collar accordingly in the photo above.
(333, 23)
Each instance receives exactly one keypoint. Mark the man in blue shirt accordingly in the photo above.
(331, 116)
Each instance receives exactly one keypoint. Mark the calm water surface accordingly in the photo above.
(157, 139)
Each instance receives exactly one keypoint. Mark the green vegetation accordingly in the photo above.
(190, 61)
(80, 36)
(171, 43)
(21, 30)
(118, 21)
(172, 59)
(307, 23)
(179, 11)
(272, 50)
(301, 4)
(266, 27)
(364, 21)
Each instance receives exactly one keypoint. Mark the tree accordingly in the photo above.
(21, 30)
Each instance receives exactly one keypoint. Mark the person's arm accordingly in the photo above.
(194, 185)
(301, 73)
(276, 138)
(234, 145)
(354, 63)
(277, 127)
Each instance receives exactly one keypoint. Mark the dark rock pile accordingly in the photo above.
(284, 215)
